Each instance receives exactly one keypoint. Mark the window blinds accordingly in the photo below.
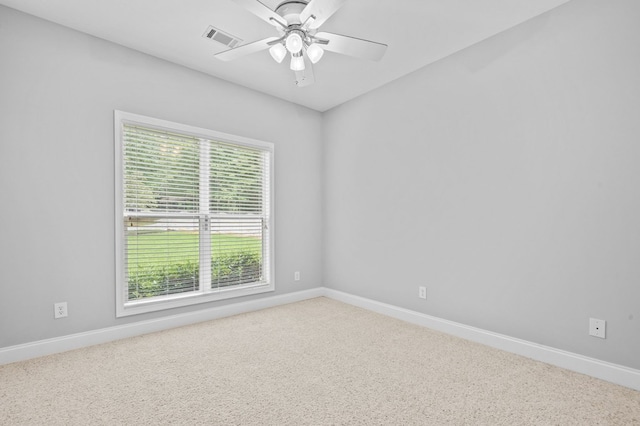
(195, 213)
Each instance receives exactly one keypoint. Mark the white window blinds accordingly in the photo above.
(195, 214)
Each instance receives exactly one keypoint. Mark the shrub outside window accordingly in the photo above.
(193, 215)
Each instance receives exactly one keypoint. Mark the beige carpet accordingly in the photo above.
(317, 362)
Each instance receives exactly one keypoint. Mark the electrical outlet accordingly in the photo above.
(422, 292)
(60, 310)
(296, 276)
(597, 327)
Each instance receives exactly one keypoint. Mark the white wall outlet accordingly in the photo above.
(296, 276)
(60, 310)
(422, 292)
(597, 327)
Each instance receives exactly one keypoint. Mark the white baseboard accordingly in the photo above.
(592, 367)
(75, 341)
(613, 373)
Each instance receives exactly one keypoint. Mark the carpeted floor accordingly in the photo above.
(317, 362)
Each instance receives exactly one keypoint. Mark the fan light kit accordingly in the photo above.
(298, 21)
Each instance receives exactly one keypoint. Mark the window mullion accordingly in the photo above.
(266, 215)
(205, 220)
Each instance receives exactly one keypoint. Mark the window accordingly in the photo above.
(193, 215)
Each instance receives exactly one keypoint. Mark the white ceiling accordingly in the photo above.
(418, 32)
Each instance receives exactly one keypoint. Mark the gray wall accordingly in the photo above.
(505, 179)
(58, 90)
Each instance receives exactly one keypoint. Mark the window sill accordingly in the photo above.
(176, 301)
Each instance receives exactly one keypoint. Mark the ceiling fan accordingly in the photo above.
(297, 22)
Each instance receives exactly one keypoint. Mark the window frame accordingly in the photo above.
(157, 303)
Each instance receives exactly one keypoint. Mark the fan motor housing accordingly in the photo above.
(290, 10)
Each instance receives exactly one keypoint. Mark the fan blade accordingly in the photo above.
(321, 10)
(263, 12)
(352, 46)
(305, 77)
(246, 49)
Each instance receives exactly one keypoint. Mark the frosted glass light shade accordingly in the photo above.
(278, 52)
(297, 63)
(294, 43)
(315, 52)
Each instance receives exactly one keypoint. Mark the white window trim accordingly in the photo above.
(124, 308)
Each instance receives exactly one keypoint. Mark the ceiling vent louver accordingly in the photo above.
(220, 36)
